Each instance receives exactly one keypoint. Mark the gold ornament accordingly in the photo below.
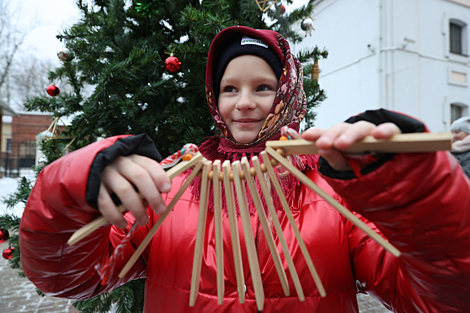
(315, 71)
(264, 5)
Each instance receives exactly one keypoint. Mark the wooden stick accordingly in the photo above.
(249, 239)
(278, 228)
(90, 227)
(264, 224)
(400, 143)
(183, 166)
(201, 229)
(100, 221)
(219, 241)
(335, 204)
(161, 219)
(285, 205)
(406, 143)
(232, 216)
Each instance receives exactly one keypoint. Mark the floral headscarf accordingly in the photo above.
(288, 109)
(290, 103)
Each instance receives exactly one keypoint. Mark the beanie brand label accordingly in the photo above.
(252, 41)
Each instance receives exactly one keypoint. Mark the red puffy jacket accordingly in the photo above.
(420, 202)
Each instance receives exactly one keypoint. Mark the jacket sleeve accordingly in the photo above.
(466, 167)
(421, 204)
(464, 161)
(63, 200)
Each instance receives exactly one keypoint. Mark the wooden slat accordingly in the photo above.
(406, 143)
(277, 227)
(265, 225)
(232, 216)
(249, 238)
(219, 240)
(201, 229)
(285, 205)
(335, 204)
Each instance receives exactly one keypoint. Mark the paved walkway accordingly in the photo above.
(18, 295)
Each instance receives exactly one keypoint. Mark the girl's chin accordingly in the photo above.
(245, 138)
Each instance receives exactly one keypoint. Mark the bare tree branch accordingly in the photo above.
(13, 31)
(11, 38)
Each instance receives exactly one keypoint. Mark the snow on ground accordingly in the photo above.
(7, 186)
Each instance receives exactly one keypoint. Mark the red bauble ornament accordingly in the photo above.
(53, 90)
(8, 253)
(283, 9)
(4, 235)
(172, 64)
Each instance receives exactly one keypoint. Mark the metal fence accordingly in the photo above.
(19, 159)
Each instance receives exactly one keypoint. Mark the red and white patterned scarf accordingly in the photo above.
(289, 108)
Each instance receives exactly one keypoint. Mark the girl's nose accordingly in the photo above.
(245, 101)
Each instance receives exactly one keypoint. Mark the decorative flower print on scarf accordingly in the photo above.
(290, 103)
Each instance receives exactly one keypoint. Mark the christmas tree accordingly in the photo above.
(138, 66)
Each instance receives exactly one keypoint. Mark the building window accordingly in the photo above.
(8, 145)
(456, 112)
(28, 148)
(455, 38)
(458, 37)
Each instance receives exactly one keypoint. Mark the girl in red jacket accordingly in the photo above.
(419, 202)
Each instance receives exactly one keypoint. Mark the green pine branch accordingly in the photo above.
(116, 83)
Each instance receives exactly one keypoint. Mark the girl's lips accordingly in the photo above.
(246, 122)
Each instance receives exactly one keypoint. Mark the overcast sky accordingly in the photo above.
(52, 16)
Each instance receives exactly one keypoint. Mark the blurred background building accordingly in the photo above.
(410, 56)
(20, 136)
(5, 133)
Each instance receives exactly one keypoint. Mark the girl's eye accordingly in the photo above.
(229, 89)
(264, 88)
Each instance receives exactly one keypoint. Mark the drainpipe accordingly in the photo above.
(387, 60)
(380, 56)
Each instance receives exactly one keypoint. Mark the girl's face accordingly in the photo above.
(247, 91)
(458, 135)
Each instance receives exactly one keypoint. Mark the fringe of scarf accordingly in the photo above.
(212, 150)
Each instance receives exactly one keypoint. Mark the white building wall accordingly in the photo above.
(350, 73)
(371, 65)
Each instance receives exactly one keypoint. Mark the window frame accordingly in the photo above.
(456, 107)
(8, 145)
(462, 37)
(455, 37)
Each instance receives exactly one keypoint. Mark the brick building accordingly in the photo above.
(5, 130)
(19, 146)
